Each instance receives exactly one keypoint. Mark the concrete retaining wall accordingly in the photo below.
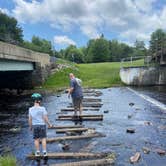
(143, 76)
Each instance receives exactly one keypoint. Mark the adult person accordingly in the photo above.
(37, 122)
(76, 93)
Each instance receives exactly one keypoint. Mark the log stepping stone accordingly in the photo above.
(88, 105)
(67, 126)
(84, 109)
(98, 162)
(63, 138)
(91, 100)
(86, 115)
(99, 118)
(72, 130)
(70, 155)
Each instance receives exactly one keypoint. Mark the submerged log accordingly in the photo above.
(91, 100)
(67, 126)
(84, 109)
(63, 138)
(70, 155)
(82, 119)
(71, 130)
(98, 162)
(89, 105)
(87, 115)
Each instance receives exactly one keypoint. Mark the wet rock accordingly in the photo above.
(106, 111)
(161, 151)
(146, 150)
(69, 133)
(148, 123)
(131, 104)
(58, 96)
(130, 130)
(129, 116)
(66, 147)
(135, 158)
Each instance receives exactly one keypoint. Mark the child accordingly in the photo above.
(37, 122)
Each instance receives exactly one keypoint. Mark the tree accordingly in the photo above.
(10, 30)
(157, 44)
(139, 49)
(98, 50)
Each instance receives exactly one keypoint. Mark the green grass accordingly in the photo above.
(8, 161)
(94, 75)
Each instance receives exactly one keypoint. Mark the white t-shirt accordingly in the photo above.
(37, 114)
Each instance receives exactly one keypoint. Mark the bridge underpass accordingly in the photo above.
(15, 74)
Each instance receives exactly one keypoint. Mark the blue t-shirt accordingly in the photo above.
(37, 114)
(77, 89)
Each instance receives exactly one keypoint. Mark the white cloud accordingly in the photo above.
(129, 19)
(3, 10)
(63, 40)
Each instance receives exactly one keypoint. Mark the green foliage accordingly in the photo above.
(98, 50)
(9, 30)
(40, 45)
(8, 161)
(158, 45)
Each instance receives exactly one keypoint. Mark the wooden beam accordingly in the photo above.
(63, 138)
(91, 100)
(87, 115)
(67, 126)
(98, 162)
(72, 130)
(89, 105)
(84, 109)
(70, 155)
(83, 118)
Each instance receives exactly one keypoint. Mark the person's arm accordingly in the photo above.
(30, 122)
(46, 118)
(70, 90)
(47, 121)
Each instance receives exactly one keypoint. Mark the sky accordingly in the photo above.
(65, 22)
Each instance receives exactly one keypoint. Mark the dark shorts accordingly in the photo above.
(39, 131)
(77, 102)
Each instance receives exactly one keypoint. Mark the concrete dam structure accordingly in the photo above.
(143, 76)
(22, 68)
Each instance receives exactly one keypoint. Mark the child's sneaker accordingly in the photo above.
(37, 153)
(44, 153)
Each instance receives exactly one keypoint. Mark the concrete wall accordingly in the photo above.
(27, 79)
(13, 52)
(143, 76)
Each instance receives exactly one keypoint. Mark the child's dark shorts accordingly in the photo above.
(39, 131)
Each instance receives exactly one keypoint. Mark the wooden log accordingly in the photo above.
(82, 119)
(91, 100)
(89, 105)
(63, 138)
(84, 109)
(67, 126)
(72, 130)
(98, 162)
(70, 155)
(87, 115)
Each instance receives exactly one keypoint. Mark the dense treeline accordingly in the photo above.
(96, 50)
(102, 50)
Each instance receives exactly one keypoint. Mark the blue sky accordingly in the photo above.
(65, 22)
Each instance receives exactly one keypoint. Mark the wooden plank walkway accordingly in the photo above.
(98, 162)
(70, 155)
(84, 109)
(66, 126)
(72, 130)
(85, 115)
(63, 138)
(82, 119)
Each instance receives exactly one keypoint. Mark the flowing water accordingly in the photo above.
(148, 105)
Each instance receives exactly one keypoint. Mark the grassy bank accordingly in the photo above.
(96, 75)
(8, 161)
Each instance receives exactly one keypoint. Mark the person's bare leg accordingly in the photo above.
(36, 142)
(44, 144)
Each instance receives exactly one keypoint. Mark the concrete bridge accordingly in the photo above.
(22, 68)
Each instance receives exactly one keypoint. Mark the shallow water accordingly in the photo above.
(114, 126)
